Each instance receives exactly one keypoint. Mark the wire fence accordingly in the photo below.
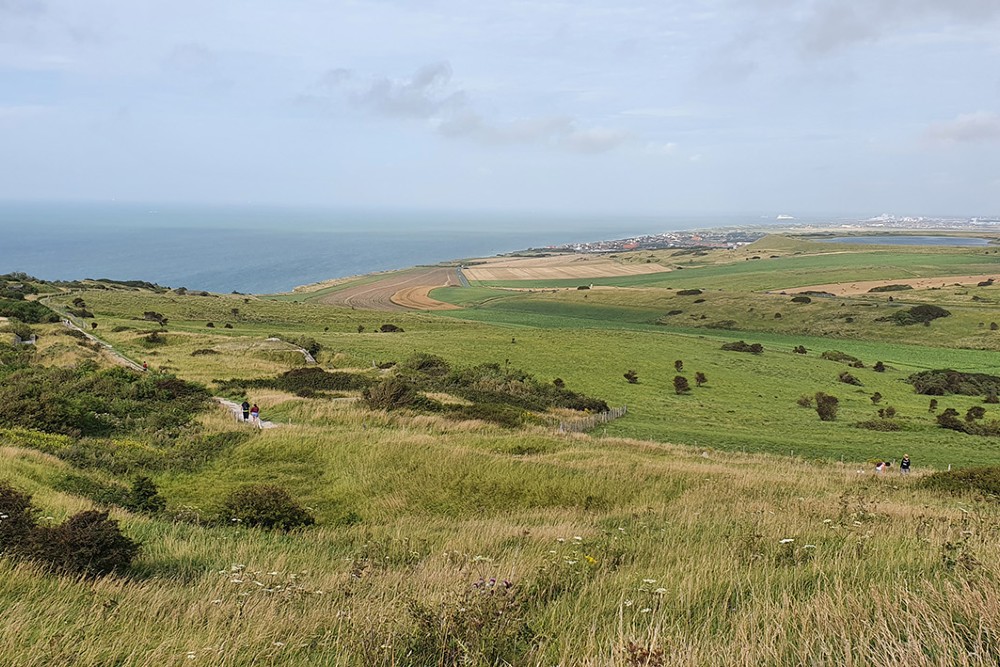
(589, 422)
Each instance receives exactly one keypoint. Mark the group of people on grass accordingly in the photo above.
(251, 413)
(904, 465)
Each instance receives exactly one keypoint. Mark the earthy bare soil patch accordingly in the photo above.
(863, 286)
(397, 292)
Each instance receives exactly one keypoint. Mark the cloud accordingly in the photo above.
(424, 95)
(430, 96)
(834, 24)
(967, 128)
(21, 7)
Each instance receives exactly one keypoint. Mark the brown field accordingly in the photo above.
(555, 267)
(397, 291)
(862, 287)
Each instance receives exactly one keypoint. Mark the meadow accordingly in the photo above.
(725, 525)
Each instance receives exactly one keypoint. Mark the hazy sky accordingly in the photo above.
(631, 106)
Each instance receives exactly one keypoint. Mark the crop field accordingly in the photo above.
(397, 291)
(558, 267)
(722, 523)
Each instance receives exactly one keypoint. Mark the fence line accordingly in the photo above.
(587, 423)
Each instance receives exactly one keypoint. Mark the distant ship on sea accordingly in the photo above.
(783, 216)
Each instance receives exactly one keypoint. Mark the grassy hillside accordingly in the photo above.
(724, 525)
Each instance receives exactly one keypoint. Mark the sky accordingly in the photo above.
(658, 107)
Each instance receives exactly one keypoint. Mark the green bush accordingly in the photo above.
(495, 413)
(801, 299)
(890, 288)
(922, 314)
(742, 346)
(826, 406)
(836, 355)
(426, 364)
(31, 312)
(88, 543)
(390, 394)
(985, 479)
(688, 292)
(17, 519)
(847, 378)
(941, 382)
(265, 506)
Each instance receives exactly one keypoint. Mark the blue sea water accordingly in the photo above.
(266, 250)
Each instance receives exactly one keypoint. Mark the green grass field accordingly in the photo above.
(724, 526)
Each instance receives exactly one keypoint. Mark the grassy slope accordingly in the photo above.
(679, 545)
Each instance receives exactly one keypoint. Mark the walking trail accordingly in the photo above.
(121, 359)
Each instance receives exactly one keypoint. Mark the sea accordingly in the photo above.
(263, 250)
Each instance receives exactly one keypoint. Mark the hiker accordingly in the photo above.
(883, 466)
(904, 465)
(255, 415)
(145, 366)
(246, 411)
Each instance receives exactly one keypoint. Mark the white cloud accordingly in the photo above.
(976, 127)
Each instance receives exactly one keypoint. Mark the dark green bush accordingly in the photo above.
(826, 406)
(426, 364)
(946, 381)
(847, 378)
(88, 543)
(390, 394)
(985, 479)
(631, 376)
(681, 385)
(801, 299)
(689, 292)
(890, 288)
(17, 519)
(31, 312)
(742, 346)
(265, 506)
(879, 424)
(922, 314)
(836, 355)
(390, 328)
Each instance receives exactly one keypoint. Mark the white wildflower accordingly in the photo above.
(787, 540)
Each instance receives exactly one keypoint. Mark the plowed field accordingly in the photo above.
(555, 268)
(397, 291)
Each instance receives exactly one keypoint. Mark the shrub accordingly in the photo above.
(974, 413)
(985, 283)
(153, 339)
(994, 326)
(227, 325)
(700, 379)
(890, 288)
(801, 299)
(31, 312)
(87, 543)
(144, 496)
(985, 479)
(678, 365)
(933, 405)
(922, 314)
(559, 383)
(671, 313)
(799, 349)
(941, 382)
(681, 385)
(879, 367)
(805, 401)
(390, 394)
(876, 398)
(888, 412)
(826, 406)
(847, 378)
(265, 506)
(631, 376)
(203, 352)
(688, 292)
(426, 364)
(991, 397)
(836, 355)
(390, 328)
(741, 346)
(18, 519)
(210, 325)
(154, 316)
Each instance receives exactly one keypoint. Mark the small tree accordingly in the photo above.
(888, 412)
(631, 376)
(994, 326)
(826, 406)
(93, 325)
(559, 383)
(879, 367)
(933, 405)
(681, 385)
(847, 378)
(700, 379)
(799, 349)
(361, 328)
(876, 398)
(678, 365)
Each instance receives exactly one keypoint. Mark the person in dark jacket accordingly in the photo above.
(904, 465)
(246, 410)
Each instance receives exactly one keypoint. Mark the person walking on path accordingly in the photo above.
(904, 465)
(246, 411)
(255, 416)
